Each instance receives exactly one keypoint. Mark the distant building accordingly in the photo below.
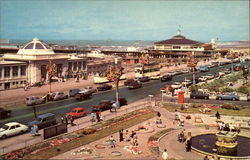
(180, 46)
(30, 64)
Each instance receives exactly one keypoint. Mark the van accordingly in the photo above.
(33, 100)
(44, 120)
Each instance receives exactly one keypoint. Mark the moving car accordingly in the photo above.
(104, 87)
(11, 129)
(176, 85)
(128, 81)
(59, 96)
(203, 78)
(4, 113)
(77, 112)
(90, 89)
(227, 96)
(166, 78)
(34, 100)
(83, 95)
(187, 83)
(73, 92)
(144, 79)
(199, 95)
(134, 85)
(103, 105)
(44, 120)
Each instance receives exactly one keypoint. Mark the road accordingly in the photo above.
(59, 108)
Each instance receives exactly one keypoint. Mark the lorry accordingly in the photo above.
(204, 68)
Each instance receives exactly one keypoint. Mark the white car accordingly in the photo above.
(59, 96)
(209, 76)
(176, 85)
(203, 78)
(155, 77)
(11, 129)
(90, 89)
(187, 82)
(33, 100)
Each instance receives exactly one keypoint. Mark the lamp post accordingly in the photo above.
(114, 74)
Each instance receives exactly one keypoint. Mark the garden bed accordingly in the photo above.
(64, 143)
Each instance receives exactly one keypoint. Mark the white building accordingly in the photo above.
(30, 64)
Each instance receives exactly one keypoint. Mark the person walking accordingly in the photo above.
(97, 117)
(126, 136)
(188, 145)
(112, 142)
(72, 120)
(165, 155)
(121, 135)
(92, 115)
(159, 114)
(62, 119)
(217, 115)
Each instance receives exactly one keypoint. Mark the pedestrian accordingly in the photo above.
(188, 145)
(132, 134)
(134, 141)
(217, 115)
(112, 142)
(127, 136)
(97, 117)
(72, 120)
(92, 115)
(121, 135)
(165, 155)
(159, 114)
(66, 119)
(62, 119)
(100, 115)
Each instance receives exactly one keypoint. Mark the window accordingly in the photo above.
(75, 66)
(17, 126)
(13, 83)
(0, 72)
(15, 71)
(176, 47)
(6, 71)
(12, 127)
(23, 70)
(79, 65)
(29, 46)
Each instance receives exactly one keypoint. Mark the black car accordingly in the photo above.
(128, 81)
(122, 101)
(166, 78)
(102, 106)
(199, 95)
(104, 87)
(134, 85)
(4, 113)
(144, 79)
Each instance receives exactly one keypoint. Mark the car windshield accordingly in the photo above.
(5, 127)
(75, 111)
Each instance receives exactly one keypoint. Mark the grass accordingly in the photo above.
(244, 111)
(89, 138)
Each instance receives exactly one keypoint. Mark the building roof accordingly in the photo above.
(178, 40)
(36, 47)
(11, 62)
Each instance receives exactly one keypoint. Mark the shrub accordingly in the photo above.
(244, 90)
(227, 106)
(227, 89)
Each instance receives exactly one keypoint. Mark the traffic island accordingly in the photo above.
(63, 143)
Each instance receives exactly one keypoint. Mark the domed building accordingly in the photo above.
(30, 64)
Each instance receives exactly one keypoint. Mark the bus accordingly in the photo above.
(151, 70)
(103, 79)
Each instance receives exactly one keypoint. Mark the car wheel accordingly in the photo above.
(194, 97)
(233, 99)
(22, 132)
(219, 98)
(205, 98)
(4, 137)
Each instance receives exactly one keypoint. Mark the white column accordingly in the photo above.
(11, 72)
(19, 71)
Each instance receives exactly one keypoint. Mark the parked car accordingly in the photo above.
(90, 89)
(227, 96)
(176, 85)
(11, 129)
(77, 112)
(199, 95)
(134, 85)
(187, 83)
(50, 96)
(248, 97)
(44, 120)
(83, 95)
(166, 77)
(155, 77)
(209, 76)
(172, 73)
(34, 100)
(122, 101)
(203, 78)
(4, 113)
(73, 92)
(60, 96)
(103, 105)
(144, 79)
(104, 87)
(128, 81)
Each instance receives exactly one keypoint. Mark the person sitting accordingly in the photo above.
(158, 121)
(111, 142)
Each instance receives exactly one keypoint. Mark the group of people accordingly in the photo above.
(182, 137)
(228, 127)
(96, 116)
(66, 119)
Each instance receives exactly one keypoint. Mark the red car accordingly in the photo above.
(77, 112)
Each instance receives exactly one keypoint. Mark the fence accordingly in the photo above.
(80, 123)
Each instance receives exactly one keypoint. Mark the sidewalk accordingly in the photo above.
(15, 97)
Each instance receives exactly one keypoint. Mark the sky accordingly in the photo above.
(124, 19)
